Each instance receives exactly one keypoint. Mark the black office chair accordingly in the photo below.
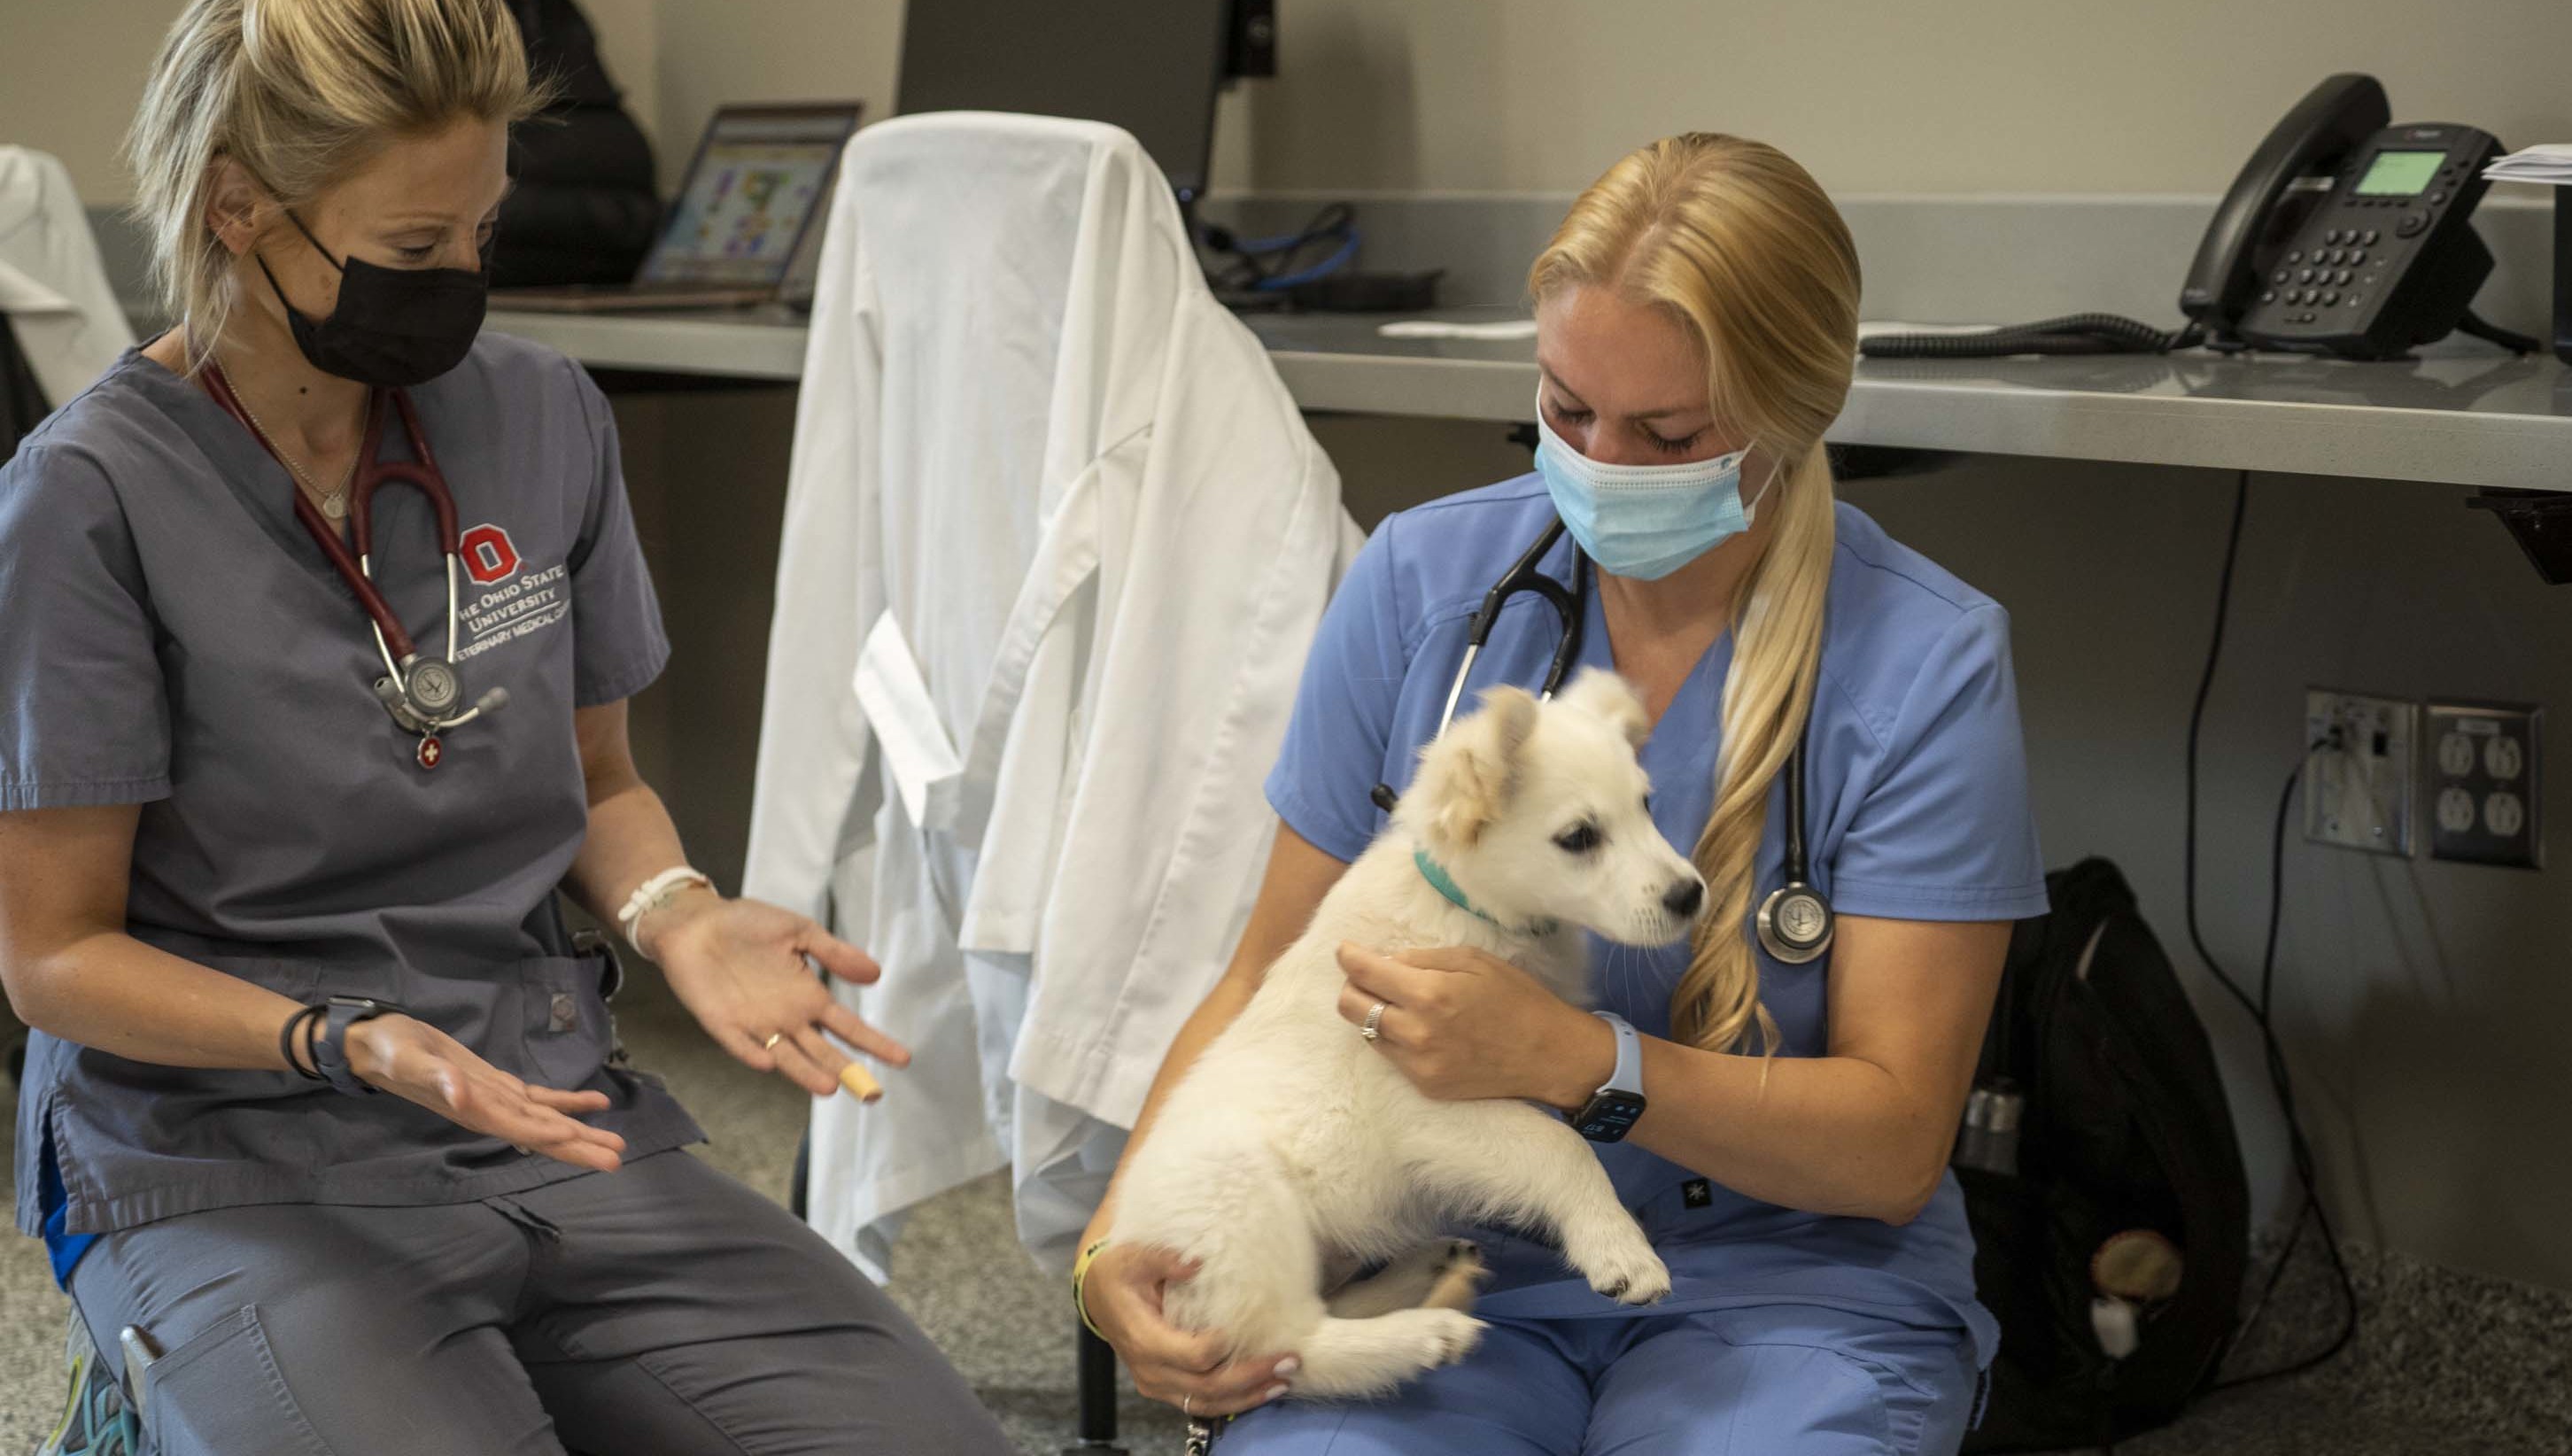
(1095, 1424)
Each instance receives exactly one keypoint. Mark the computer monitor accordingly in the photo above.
(1150, 66)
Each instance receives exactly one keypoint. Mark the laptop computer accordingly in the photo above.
(753, 193)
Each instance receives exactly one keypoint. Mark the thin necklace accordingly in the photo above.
(335, 503)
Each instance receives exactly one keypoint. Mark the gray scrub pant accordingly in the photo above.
(660, 1310)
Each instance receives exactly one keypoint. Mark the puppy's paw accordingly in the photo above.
(1628, 1272)
(1452, 1333)
(1461, 1273)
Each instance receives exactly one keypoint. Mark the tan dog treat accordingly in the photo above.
(861, 1086)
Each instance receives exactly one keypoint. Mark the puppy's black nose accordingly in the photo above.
(1683, 898)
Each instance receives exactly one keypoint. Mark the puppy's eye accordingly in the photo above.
(1581, 839)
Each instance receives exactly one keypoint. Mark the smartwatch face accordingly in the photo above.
(1609, 1116)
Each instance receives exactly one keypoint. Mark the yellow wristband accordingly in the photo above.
(1079, 1272)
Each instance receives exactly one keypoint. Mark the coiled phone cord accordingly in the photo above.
(2071, 334)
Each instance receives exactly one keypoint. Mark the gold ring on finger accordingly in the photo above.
(772, 1039)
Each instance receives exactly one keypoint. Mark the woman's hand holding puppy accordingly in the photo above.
(1461, 1023)
(1187, 1368)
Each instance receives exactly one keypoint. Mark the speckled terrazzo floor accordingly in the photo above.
(2446, 1363)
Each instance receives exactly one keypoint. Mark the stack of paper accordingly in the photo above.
(2548, 164)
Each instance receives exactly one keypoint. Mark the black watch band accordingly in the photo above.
(331, 1046)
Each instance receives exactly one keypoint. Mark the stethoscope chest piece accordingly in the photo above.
(433, 688)
(1794, 924)
(1795, 921)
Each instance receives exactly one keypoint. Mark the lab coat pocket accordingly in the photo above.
(221, 1393)
(920, 756)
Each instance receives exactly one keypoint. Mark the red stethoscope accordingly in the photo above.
(420, 693)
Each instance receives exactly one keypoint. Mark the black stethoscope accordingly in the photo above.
(1795, 921)
(420, 693)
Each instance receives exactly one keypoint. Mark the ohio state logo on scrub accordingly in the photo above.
(488, 553)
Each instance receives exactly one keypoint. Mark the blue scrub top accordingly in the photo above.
(1918, 805)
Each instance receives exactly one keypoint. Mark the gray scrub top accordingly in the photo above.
(171, 637)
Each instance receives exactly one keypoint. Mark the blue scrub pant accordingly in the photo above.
(1776, 1380)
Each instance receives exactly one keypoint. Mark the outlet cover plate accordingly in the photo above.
(2359, 795)
(2481, 782)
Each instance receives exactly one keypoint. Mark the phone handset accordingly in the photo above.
(2299, 157)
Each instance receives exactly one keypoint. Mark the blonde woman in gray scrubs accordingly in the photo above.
(323, 1100)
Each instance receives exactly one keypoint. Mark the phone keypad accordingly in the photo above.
(2338, 267)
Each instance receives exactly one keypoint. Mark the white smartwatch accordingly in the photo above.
(1613, 1109)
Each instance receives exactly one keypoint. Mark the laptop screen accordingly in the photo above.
(1150, 66)
(759, 177)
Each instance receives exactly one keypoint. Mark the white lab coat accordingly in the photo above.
(53, 288)
(1056, 543)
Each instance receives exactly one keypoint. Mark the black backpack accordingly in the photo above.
(2123, 1139)
(584, 210)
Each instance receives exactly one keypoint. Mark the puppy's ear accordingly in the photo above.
(1602, 695)
(1467, 776)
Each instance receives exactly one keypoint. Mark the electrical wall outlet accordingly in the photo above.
(2358, 775)
(2483, 789)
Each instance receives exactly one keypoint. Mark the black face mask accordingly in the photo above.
(392, 327)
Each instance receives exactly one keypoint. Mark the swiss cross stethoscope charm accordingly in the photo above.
(432, 752)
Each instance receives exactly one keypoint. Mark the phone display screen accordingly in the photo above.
(2400, 173)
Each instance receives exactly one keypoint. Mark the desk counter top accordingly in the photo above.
(2462, 414)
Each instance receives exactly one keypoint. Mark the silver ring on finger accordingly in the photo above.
(1374, 1024)
(1184, 1401)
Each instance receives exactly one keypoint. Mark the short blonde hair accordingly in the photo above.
(1741, 247)
(301, 93)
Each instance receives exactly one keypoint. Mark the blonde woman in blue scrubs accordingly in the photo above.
(1696, 328)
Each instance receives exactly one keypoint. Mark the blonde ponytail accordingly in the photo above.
(1744, 249)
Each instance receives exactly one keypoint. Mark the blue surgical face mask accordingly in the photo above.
(1644, 522)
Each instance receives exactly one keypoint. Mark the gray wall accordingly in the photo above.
(1990, 96)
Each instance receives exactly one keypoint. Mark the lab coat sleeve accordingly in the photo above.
(1206, 607)
(1944, 829)
(618, 644)
(816, 800)
(84, 708)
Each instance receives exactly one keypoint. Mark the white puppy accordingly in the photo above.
(1292, 1154)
